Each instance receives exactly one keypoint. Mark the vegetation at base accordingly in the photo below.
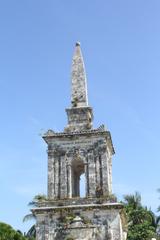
(8, 233)
(39, 198)
(142, 223)
(31, 234)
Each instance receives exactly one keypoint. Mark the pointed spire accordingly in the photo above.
(79, 96)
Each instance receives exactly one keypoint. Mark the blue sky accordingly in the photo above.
(120, 43)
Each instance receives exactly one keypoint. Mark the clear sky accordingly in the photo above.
(121, 47)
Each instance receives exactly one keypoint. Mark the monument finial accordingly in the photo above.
(79, 96)
(78, 44)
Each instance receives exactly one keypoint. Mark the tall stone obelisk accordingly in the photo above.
(79, 150)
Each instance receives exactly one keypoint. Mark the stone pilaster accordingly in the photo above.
(105, 169)
(40, 227)
(63, 177)
(51, 175)
(56, 176)
(97, 169)
(91, 173)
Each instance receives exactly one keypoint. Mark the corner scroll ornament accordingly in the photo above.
(49, 133)
(101, 127)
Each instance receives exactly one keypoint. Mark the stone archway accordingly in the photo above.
(78, 169)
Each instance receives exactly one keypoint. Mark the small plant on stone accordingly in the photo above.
(74, 102)
(66, 217)
(86, 220)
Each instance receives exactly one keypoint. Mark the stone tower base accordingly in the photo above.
(86, 221)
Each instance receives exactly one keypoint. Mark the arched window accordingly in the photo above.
(78, 178)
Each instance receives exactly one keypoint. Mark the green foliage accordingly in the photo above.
(37, 199)
(31, 234)
(8, 233)
(66, 216)
(141, 221)
(86, 220)
(158, 219)
(143, 231)
(28, 217)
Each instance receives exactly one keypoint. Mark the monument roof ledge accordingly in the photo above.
(51, 133)
(104, 205)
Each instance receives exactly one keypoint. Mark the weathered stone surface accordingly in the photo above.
(76, 151)
(79, 119)
(78, 76)
(89, 154)
(80, 222)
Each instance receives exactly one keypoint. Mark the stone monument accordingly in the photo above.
(79, 150)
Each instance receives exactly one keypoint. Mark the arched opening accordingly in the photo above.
(82, 185)
(78, 181)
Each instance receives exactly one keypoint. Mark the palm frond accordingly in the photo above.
(31, 232)
(133, 200)
(28, 217)
(158, 220)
